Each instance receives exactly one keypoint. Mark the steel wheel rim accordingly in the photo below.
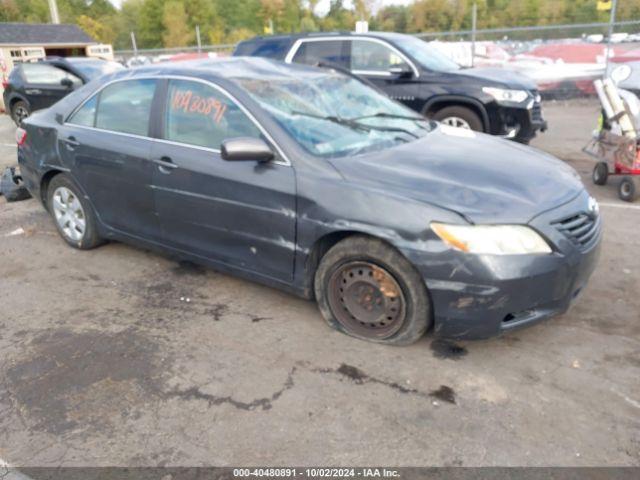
(367, 300)
(626, 189)
(456, 122)
(69, 214)
(21, 113)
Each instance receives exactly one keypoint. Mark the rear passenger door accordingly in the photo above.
(43, 84)
(239, 213)
(106, 144)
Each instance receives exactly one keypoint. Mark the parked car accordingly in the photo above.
(308, 180)
(33, 86)
(409, 70)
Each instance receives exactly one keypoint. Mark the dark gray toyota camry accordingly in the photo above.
(309, 180)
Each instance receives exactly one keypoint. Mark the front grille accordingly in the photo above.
(581, 228)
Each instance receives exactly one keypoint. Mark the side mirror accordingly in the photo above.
(66, 82)
(401, 71)
(246, 148)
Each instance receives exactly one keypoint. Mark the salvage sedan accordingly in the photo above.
(308, 180)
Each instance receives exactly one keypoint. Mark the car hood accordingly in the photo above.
(483, 178)
(501, 76)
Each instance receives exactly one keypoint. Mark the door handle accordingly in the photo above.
(165, 164)
(71, 142)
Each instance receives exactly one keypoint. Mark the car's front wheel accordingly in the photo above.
(460, 117)
(19, 111)
(72, 213)
(367, 289)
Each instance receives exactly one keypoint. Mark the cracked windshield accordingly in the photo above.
(333, 115)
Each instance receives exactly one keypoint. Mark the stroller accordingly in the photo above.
(616, 145)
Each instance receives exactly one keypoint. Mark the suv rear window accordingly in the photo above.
(330, 51)
(276, 49)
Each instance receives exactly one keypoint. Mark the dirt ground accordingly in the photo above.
(118, 356)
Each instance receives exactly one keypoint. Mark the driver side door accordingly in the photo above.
(386, 68)
(238, 213)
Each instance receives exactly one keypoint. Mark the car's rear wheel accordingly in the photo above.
(459, 117)
(600, 173)
(367, 289)
(19, 111)
(72, 213)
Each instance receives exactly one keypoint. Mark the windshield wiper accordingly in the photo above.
(332, 118)
(354, 123)
(391, 115)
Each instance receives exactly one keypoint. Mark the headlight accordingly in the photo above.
(492, 239)
(502, 95)
(621, 73)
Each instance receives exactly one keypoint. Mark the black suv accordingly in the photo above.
(495, 101)
(34, 86)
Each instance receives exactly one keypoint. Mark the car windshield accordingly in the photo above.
(95, 68)
(427, 55)
(334, 115)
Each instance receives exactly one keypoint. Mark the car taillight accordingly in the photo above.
(21, 136)
(5, 83)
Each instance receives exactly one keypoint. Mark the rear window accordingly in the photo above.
(125, 106)
(275, 49)
(330, 51)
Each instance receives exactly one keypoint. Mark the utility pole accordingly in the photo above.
(612, 22)
(198, 38)
(474, 26)
(133, 43)
(53, 9)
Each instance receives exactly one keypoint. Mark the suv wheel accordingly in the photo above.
(367, 289)
(20, 111)
(460, 117)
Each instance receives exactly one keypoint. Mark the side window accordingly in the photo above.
(44, 74)
(374, 57)
(198, 114)
(330, 51)
(86, 115)
(125, 106)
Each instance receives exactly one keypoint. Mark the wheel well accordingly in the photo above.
(16, 100)
(44, 184)
(439, 105)
(321, 247)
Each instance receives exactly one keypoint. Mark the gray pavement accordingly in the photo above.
(104, 362)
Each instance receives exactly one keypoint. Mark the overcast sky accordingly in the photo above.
(323, 5)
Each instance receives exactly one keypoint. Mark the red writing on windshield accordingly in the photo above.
(188, 102)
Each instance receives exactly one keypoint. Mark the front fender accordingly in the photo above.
(461, 100)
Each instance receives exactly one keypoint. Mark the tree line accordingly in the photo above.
(171, 23)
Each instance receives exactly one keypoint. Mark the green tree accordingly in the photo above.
(150, 26)
(99, 31)
(177, 32)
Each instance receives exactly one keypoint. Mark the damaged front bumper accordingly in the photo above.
(482, 296)
(519, 124)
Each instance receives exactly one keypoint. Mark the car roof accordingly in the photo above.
(230, 68)
(296, 36)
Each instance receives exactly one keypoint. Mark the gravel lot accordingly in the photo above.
(104, 361)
